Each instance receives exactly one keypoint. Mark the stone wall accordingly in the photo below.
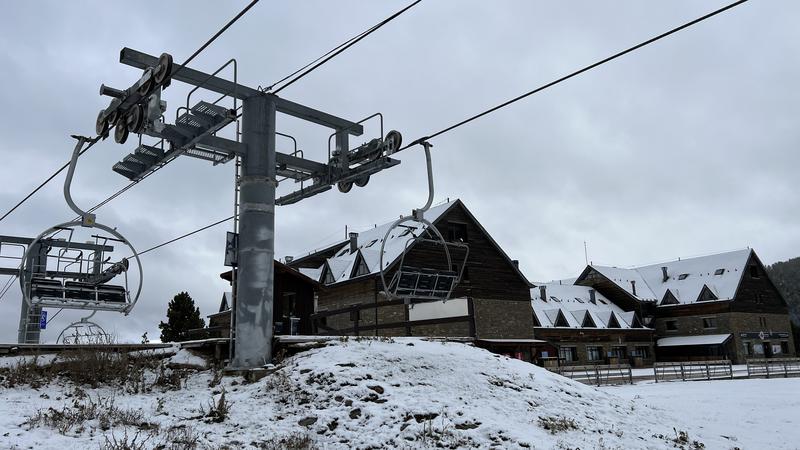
(503, 319)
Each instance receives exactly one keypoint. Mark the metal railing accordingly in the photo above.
(773, 367)
(696, 370)
(597, 375)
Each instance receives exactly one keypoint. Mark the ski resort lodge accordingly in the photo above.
(720, 306)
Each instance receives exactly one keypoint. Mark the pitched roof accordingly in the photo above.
(687, 278)
(574, 303)
(369, 245)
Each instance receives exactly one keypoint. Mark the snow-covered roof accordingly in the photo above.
(574, 304)
(313, 273)
(686, 280)
(369, 245)
(705, 339)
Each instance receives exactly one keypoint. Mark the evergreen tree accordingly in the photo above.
(182, 316)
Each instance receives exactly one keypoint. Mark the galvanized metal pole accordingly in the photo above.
(254, 286)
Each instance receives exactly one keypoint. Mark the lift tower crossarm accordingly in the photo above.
(222, 86)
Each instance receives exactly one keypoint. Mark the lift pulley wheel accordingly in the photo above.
(146, 87)
(392, 141)
(164, 68)
(112, 118)
(101, 125)
(344, 186)
(135, 119)
(121, 132)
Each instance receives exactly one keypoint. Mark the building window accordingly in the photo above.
(719, 271)
(355, 315)
(785, 347)
(672, 325)
(642, 351)
(776, 349)
(683, 276)
(754, 271)
(748, 348)
(568, 354)
(618, 352)
(594, 353)
(709, 322)
(762, 322)
(456, 232)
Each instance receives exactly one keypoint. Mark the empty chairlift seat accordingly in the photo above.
(111, 293)
(45, 287)
(424, 283)
(104, 293)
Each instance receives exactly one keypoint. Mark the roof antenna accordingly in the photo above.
(585, 253)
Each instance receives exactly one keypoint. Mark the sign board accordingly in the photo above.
(231, 249)
(43, 320)
(764, 335)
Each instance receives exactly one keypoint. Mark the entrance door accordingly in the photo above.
(767, 349)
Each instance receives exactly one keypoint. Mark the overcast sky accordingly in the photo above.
(686, 147)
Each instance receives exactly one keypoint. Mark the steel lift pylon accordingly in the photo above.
(139, 110)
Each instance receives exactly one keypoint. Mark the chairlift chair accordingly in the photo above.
(87, 281)
(411, 283)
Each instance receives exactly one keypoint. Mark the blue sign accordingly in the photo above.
(43, 320)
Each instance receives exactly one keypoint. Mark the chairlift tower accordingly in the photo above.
(139, 110)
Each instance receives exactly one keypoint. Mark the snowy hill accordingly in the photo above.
(405, 393)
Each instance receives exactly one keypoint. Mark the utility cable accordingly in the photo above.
(577, 72)
(332, 54)
(185, 235)
(488, 111)
(214, 38)
(50, 178)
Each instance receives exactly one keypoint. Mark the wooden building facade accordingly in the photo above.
(491, 304)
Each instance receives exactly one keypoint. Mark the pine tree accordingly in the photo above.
(182, 316)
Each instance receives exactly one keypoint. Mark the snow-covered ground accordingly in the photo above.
(749, 414)
(406, 393)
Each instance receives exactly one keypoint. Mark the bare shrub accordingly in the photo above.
(180, 437)
(217, 411)
(26, 371)
(84, 409)
(169, 379)
(296, 441)
(126, 442)
(556, 424)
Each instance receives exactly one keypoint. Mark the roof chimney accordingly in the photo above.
(515, 262)
(289, 259)
(664, 274)
(543, 292)
(353, 242)
(633, 287)
(592, 296)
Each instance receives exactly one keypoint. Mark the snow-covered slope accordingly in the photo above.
(406, 393)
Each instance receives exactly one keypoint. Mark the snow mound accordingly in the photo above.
(412, 392)
(354, 393)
